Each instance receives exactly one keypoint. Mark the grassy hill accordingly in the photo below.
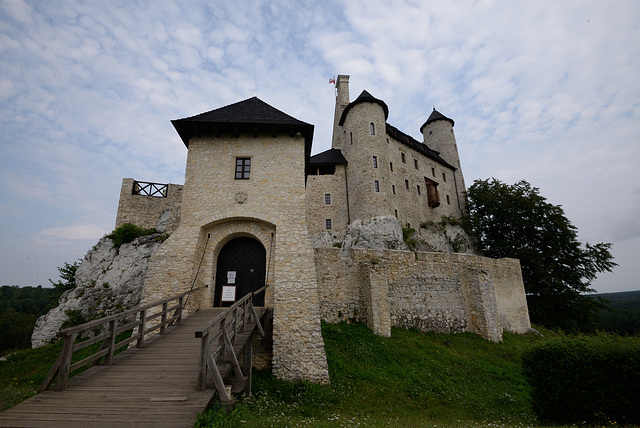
(624, 318)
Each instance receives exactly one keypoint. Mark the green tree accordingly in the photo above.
(516, 221)
(68, 277)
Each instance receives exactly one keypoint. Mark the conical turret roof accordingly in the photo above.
(436, 115)
(364, 97)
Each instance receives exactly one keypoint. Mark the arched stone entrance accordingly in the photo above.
(240, 269)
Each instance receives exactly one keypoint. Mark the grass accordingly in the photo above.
(410, 379)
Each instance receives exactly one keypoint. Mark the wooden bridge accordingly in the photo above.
(163, 381)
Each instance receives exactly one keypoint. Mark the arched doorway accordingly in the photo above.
(241, 264)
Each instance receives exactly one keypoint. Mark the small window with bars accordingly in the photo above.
(327, 223)
(243, 168)
(327, 198)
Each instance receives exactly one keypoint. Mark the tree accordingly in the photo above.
(68, 275)
(516, 221)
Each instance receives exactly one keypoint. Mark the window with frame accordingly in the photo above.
(376, 185)
(375, 161)
(433, 171)
(403, 157)
(243, 168)
(415, 163)
(372, 128)
(444, 177)
(327, 198)
(327, 223)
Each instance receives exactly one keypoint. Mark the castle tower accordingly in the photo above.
(342, 101)
(438, 135)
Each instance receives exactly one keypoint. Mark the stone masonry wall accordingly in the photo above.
(318, 211)
(439, 292)
(144, 211)
(271, 201)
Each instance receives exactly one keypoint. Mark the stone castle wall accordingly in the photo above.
(439, 292)
(145, 211)
(317, 209)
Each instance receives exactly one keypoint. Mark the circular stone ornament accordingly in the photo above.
(241, 197)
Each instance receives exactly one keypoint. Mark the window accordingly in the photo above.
(406, 184)
(376, 185)
(243, 168)
(375, 161)
(415, 163)
(327, 198)
(391, 166)
(403, 157)
(433, 197)
(419, 190)
(444, 177)
(387, 141)
(393, 189)
(350, 137)
(448, 200)
(372, 128)
(327, 223)
(433, 171)
(396, 213)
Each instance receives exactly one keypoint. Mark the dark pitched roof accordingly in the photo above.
(416, 145)
(365, 97)
(329, 157)
(436, 115)
(252, 115)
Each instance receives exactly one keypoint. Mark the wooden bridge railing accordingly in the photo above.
(218, 338)
(63, 367)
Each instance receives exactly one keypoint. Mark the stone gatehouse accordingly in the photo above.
(253, 195)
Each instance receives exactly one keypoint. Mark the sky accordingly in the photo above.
(545, 91)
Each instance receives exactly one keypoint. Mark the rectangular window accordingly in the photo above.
(396, 213)
(327, 223)
(391, 166)
(444, 177)
(243, 168)
(393, 189)
(327, 198)
(375, 161)
(406, 184)
(403, 157)
(448, 200)
(376, 185)
(419, 189)
(433, 171)
(415, 163)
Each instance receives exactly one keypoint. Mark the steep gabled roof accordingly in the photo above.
(365, 97)
(416, 145)
(436, 115)
(252, 115)
(329, 157)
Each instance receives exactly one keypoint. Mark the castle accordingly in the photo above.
(253, 195)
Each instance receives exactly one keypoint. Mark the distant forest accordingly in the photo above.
(20, 307)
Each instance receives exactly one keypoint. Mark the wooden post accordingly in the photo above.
(112, 342)
(221, 343)
(142, 328)
(235, 326)
(204, 354)
(244, 317)
(65, 364)
(248, 357)
(180, 303)
(163, 323)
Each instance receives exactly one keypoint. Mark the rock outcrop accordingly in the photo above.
(109, 280)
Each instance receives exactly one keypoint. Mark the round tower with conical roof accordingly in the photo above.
(438, 135)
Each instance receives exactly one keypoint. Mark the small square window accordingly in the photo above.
(376, 185)
(415, 163)
(243, 168)
(327, 223)
(375, 161)
(327, 198)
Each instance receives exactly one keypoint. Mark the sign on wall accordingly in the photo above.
(231, 277)
(228, 293)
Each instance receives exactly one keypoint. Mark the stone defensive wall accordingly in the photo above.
(142, 203)
(441, 292)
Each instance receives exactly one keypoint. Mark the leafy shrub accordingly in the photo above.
(127, 233)
(408, 237)
(585, 379)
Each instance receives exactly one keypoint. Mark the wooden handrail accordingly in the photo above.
(222, 331)
(63, 367)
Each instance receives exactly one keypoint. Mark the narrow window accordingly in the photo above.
(402, 156)
(448, 200)
(243, 168)
(327, 223)
(406, 184)
(396, 213)
(415, 163)
(433, 171)
(376, 185)
(387, 141)
(391, 166)
(419, 190)
(350, 137)
(372, 128)
(444, 177)
(327, 198)
(375, 161)
(393, 189)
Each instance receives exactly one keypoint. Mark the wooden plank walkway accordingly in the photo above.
(151, 386)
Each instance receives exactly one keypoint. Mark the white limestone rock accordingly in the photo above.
(109, 280)
(376, 233)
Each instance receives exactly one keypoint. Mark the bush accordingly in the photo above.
(591, 379)
(127, 233)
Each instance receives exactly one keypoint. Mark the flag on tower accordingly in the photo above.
(333, 80)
